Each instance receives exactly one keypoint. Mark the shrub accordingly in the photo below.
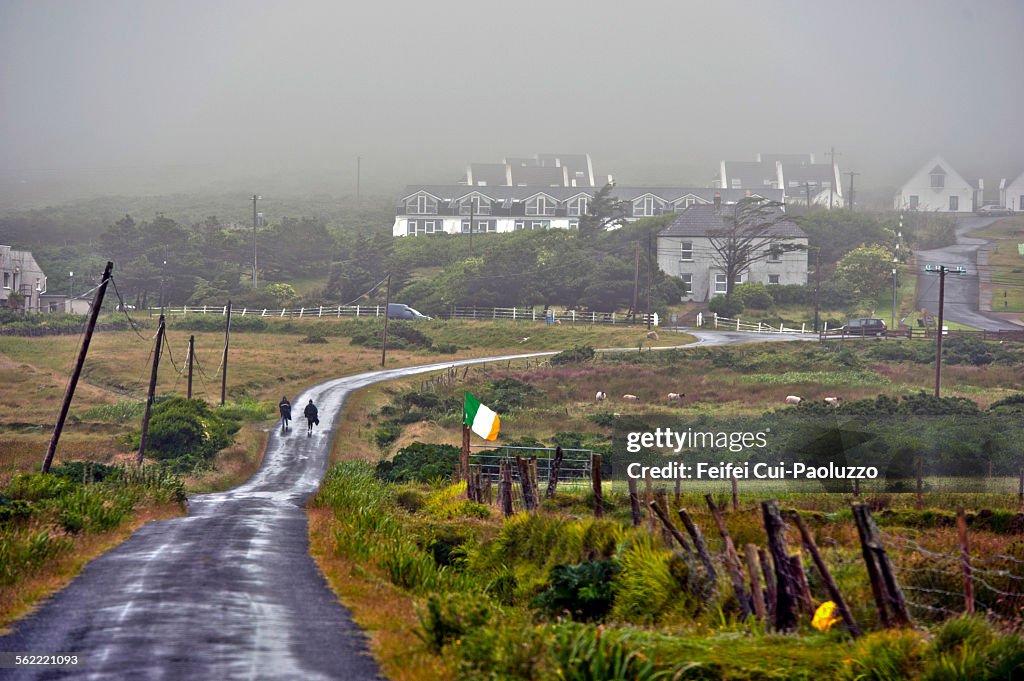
(574, 355)
(450, 619)
(584, 590)
(314, 338)
(590, 654)
(420, 462)
(753, 295)
(725, 307)
(645, 587)
(189, 429)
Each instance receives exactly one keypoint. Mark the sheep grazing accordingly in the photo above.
(793, 399)
(601, 396)
(675, 397)
(833, 401)
(630, 398)
(652, 335)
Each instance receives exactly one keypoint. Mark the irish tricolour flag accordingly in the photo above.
(481, 419)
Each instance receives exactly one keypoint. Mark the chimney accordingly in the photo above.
(718, 202)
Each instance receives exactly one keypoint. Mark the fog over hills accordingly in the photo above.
(108, 97)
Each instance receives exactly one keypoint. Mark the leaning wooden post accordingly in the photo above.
(735, 494)
(786, 596)
(595, 477)
(769, 578)
(732, 559)
(634, 502)
(524, 482)
(69, 393)
(505, 488)
(661, 498)
(652, 522)
(826, 576)
(152, 390)
(672, 531)
(556, 468)
(679, 491)
(965, 559)
(887, 592)
(1020, 487)
(702, 548)
(754, 572)
(803, 588)
(191, 358)
(224, 362)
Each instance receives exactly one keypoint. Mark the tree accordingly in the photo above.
(866, 269)
(603, 211)
(751, 231)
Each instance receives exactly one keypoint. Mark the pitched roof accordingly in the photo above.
(668, 194)
(700, 220)
(751, 174)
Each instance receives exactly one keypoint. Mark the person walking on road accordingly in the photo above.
(285, 408)
(312, 417)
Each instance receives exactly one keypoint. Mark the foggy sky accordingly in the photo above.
(422, 87)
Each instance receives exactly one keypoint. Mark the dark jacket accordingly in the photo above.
(286, 408)
(310, 412)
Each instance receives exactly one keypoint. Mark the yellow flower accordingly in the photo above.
(825, 616)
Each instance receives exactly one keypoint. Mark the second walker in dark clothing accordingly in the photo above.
(312, 417)
(285, 407)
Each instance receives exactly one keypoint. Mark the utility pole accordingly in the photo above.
(255, 198)
(817, 284)
(471, 227)
(650, 275)
(152, 390)
(94, 312)
(832, 179)
(636, 276)
(893, 322)
(224, 362)
(849, 201)
(191, 355)
(938, 330)
(384, 341)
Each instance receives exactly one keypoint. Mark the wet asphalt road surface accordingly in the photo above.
(227, 592)
(961, 298)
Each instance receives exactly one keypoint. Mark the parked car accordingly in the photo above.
(400, 311)
(865, 326)
(993, 210)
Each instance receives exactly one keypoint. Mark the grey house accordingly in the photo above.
(20, 274)
(686, 249)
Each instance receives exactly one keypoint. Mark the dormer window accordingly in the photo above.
(475, 205)
(540, 205)
(646, 206)
(421, 204)
(578, 206)
(938, 177)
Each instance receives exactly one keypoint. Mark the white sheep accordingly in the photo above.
(601, 396)
(630, 398)
(652, 335)
(833, 401)
(793, 399)
(675, 397)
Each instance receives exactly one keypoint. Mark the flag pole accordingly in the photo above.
(464, 460)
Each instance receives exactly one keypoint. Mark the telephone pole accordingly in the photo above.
(832, 179)
(191, 356)
(224, 362)
(152, 390)
(255, 198)
(849, 201)
(384, 340)
(650, 275)
(817, 284)
(938, 330)
(94, 312)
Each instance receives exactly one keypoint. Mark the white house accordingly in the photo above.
(686, 249)
(1012, 195)
(936, 187)
(21, 275)
(452, 209)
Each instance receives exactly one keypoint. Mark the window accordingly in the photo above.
(914, 201)
(540, 205)
(774, 254)
(520, 225)
(540, 224)
(736, 183)
(687, 283)
(646, 206)
(686, 251)
(465, 226)
(578, 206)
(773, 280)
(411, 229)
(475, 205)
(421, 204)
(7, 279)
(574, 224)
(938, 180)
(954, 203)
(720, 283)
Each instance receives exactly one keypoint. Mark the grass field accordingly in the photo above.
(1006, 265)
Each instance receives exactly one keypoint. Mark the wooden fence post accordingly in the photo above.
(505, 488)
(786, 596)
(735, 494)
(529, 501)
(754, 572)
(965, 559)
(595, 478)
(702, 548)
(826, 576)
(769, 578)
(803, 588)
(556, 468)
(918, 501)
(661, 498)
(732, 560)
(1020, 487)
(634, 502)
(671, 530)
(892, 608)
